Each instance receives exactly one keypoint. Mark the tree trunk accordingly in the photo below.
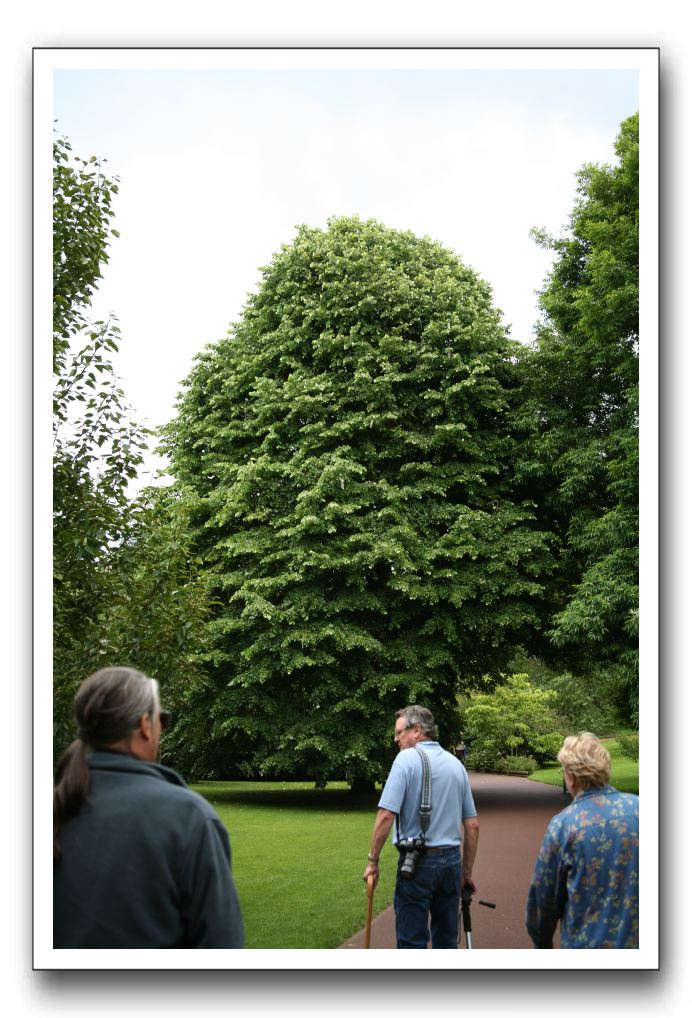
(362, 786)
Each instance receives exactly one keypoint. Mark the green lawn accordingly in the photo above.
(624, 775)
(298, 857)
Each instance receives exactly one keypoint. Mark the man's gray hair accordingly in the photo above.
(416, 715)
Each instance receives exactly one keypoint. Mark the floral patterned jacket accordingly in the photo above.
(587, 874)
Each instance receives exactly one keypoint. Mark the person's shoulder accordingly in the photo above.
(610, 796)
(153, 783)
(444, 757)
(625, 796)
(407, 760)
(627, 800)
(406, 756)
(181, 809)
(176, 789)
(564, 817)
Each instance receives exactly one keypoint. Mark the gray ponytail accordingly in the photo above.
(107, 708)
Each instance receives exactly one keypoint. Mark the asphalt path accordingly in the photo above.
(513, 814)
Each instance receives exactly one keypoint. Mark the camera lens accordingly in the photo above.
(408, 865)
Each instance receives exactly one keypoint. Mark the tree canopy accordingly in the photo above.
(346, 456)
(82, 213)
(580, 459)
(96, 445)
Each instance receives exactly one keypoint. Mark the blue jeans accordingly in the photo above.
(433, 892)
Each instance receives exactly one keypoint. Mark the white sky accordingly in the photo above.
(219, 166)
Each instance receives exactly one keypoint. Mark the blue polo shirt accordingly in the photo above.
(452, 800)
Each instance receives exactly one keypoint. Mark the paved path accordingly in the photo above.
(513, 814)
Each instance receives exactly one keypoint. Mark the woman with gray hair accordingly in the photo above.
(139, 860)
(586, 876)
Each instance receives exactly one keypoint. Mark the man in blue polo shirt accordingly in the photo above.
(428, 902)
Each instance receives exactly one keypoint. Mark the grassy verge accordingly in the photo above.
(624, 774)
(298, 857)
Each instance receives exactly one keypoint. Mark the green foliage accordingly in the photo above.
(515, 764)
(96, 446)
(157, 605)
(580, 415)
(582, 703)
(82, 211)
(629, 746)
(516, 719)
(346, 455)
(151, 611)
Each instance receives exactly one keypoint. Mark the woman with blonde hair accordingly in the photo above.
(586, 876)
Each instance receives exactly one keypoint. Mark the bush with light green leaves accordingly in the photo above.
(514, 721)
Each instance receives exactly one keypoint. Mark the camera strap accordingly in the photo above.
(425, 791)
(425, 808)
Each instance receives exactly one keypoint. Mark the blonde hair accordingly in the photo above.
(586, 759)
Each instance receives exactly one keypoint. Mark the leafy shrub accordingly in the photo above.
(629, 746)
(547, 747)
(515, 720)
(481, 760)
(488, 761)
(524, 764)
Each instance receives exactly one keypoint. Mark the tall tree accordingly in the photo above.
(345, 454)
(96, 445)
(581, 416)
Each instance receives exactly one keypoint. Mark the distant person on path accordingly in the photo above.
(426, 903)
(587, 872)
(460, 749)
(139, 860)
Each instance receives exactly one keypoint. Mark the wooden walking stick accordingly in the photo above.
(368, 921)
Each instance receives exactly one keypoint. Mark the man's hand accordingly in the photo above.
(468, 882)
(372, 869)
(383, 825)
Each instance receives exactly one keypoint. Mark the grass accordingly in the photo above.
(624, 775)
(298, 858)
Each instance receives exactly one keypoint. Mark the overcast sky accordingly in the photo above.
(218, 167)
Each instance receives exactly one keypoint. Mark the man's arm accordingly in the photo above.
(469, 849)
(380, 832)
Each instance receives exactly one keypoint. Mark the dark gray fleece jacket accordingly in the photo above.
(146, 863)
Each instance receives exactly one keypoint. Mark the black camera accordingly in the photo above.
(411, 851)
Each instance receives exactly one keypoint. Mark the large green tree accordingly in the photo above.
(96, 445)
(346, 455)
(580, 459)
